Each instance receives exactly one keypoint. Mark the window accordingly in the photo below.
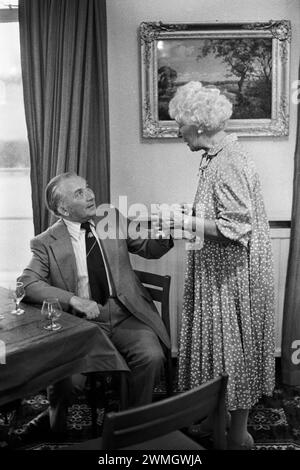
(16, 225)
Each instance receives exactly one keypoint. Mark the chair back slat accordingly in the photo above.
(151, 278)
(158, 287)
(151, 421)
(156, 294)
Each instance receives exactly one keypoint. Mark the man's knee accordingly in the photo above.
(157, 357)
(152, 357)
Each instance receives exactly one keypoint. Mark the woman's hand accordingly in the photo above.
(177, 221)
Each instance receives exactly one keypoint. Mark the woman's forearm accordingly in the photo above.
(212, 232)
(204, 228)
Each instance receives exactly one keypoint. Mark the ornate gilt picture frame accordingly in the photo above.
(249, 62)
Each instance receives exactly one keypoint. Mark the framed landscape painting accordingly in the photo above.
(248, 62)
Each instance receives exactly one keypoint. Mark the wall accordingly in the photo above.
(164, 171)
(156, 171)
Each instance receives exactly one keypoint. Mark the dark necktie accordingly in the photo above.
(96, 268)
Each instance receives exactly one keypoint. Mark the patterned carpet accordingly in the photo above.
(78, 424)
(274, 422)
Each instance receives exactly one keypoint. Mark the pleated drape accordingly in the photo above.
(64, 70)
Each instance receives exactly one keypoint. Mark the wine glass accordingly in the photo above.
(156, 217)
(18, 295)
(51, 309)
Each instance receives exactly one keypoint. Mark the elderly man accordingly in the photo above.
(92, 276)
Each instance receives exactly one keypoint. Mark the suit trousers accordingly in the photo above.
(139, 346)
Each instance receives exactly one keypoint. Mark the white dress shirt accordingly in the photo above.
(77, 235)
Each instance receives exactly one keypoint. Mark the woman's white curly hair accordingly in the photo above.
(204, 107)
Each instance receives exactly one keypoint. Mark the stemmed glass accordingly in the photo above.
(156, 211)
(51, 309)
(18, 295)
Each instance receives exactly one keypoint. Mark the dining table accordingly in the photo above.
(31, 357)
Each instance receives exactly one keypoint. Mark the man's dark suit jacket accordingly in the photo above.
(52, 270)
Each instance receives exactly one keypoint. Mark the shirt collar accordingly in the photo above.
(74, 228)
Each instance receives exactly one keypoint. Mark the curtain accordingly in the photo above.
(290, 356)
(64, 70)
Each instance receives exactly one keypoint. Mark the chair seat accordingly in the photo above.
(173, 441)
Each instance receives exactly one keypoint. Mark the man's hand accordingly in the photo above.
(90, 308)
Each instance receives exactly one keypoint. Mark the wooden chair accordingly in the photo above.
(158, 425)
(159, 288)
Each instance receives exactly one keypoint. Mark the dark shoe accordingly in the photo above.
(200, 431)
(37, 430)
(204, 428)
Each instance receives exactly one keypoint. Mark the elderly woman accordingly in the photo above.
(227, 320)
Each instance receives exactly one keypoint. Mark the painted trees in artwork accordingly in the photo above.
(166, 89)
(249, 65)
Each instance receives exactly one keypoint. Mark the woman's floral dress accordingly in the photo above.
(228, 310)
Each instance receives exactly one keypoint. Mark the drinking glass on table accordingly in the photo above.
(51, 310)
(18, 294)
